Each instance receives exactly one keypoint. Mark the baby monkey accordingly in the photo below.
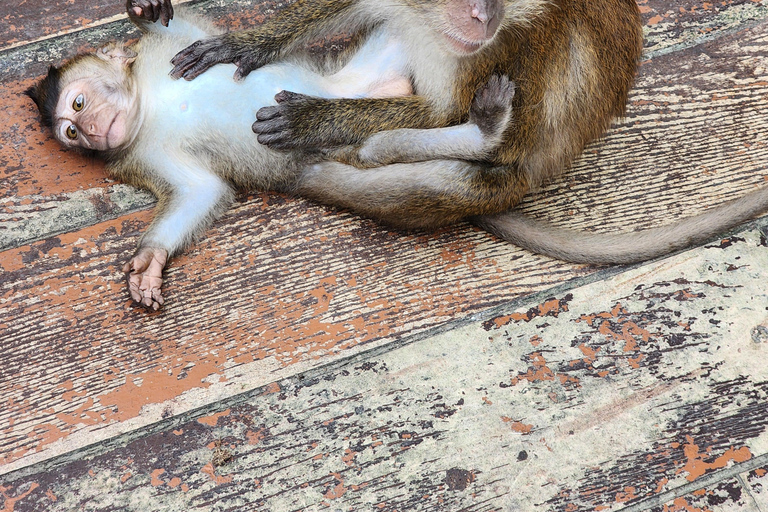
(191, 143)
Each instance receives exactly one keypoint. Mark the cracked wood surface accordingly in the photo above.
(595, 398)
(280, 287)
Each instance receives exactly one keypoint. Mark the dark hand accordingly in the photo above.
(276, 126)
(198, 57)
(150, 10)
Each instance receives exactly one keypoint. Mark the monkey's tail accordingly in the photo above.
(632, 247)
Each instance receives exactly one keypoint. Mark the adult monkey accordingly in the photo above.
(573, 62)
(191, 143)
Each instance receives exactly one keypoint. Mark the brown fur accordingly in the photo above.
(573, 63)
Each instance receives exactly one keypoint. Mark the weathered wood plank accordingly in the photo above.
(694, 136)
(726, 496)
(673, 25)
(258, 299)
(365, 285)
(593, 399)
(756, 482)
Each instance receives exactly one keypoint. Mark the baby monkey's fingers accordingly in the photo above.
(145, 276)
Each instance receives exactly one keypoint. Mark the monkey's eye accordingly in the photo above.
(79, 103)
(72, 131)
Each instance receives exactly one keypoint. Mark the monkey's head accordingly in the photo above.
(467, 25)
(91, 102)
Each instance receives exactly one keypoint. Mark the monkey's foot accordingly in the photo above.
(145, 276)
(491, 109)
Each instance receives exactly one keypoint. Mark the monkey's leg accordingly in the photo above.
(193, 200)
(416, 195)
(277, 36)
(305, 122)
(477, 139)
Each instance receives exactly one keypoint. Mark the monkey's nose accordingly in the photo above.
(489, 20)
(480, 14)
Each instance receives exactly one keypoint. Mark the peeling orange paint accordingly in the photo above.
(255, 437)
(213, 419)
(696, 466)
(217, 479)
(155, 477)
(627, 495)
(590, 354)
(540, 370)
(517, 426)
(349, 457)
(338, 490)
(682, 505)
(10, 502)
(550, 307)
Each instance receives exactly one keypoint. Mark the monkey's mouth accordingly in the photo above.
(463, 46)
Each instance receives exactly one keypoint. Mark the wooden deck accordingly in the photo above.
(310, 359)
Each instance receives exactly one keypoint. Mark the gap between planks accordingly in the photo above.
(700, 483)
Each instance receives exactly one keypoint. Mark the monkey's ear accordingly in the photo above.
(117, 54)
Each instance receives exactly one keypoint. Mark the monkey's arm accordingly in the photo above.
(277, 36)
(189, 199)
(305, 122)
(186, 25)
(477, 139)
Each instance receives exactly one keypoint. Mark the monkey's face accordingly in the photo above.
(97, 107)
(469, 25)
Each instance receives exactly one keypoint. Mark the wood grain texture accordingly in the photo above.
(694, 136)
(259, 298)
(596, 398)
(279, 286)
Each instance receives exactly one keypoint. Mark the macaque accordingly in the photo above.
(191, 143)
(572, 63)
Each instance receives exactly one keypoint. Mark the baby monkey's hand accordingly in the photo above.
(145, 276)
(150, 10)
